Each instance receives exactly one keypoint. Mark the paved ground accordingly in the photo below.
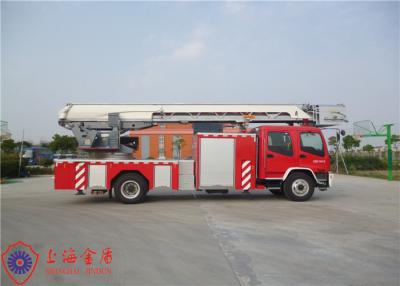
(346, 236)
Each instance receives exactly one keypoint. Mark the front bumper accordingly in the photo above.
(324, 180)
(330, 179)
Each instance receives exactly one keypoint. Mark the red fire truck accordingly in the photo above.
(288, 159)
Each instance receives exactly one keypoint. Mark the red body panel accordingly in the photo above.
(113, 169)
(146, 169)
(67, 175)
(245, 162)
(245, 158)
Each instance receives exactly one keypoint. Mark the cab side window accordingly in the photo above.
(311, 142)
(280, 142)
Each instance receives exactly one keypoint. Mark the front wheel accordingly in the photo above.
(299, 187)
(130, 188)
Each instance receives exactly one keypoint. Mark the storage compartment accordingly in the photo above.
(217, 158)
(162, 176)
(225, 161)
(186, 175)
(97, 176)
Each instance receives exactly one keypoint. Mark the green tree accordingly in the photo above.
(44, 144)
(395, 139)
(8, 146)
(332, 141)
(63, 144)
(25, 144)
(368, 148)
(350, 142)
(10, 164)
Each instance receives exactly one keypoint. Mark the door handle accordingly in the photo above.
(270, 156)
(302, 156)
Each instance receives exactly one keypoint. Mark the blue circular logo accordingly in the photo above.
(19, 262)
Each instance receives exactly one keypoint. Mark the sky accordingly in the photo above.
(54, 53)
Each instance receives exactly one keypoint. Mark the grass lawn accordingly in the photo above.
(380, 174)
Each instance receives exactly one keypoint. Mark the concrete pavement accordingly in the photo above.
(348, 235)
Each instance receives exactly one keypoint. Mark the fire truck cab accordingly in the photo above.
(293, 160)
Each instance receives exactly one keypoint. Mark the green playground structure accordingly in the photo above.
(366, 128)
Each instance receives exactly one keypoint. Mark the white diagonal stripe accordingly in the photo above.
(78, 166)
(79, 174)
(247, 187)
(81, 187)
(244, 173)
(78, 184)
(244, 164)
(246, 179)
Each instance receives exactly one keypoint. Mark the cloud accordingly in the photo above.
(190, 50)
(234, 8)
(157, 69)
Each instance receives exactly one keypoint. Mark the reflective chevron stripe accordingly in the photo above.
(246, 175)
(80, 176)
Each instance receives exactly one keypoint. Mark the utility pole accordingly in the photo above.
(337, 158)
(20, 154)
(389, 143)
(338, 154)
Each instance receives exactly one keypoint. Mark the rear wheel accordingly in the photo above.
(130, 188)
(299, 187)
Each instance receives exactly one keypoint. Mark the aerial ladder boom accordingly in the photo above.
(99, 126)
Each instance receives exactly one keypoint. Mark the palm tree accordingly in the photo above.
(179, 142)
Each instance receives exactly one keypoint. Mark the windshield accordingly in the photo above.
(311, 142)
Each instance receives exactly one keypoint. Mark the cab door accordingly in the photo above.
(312, 152)
(280, 154)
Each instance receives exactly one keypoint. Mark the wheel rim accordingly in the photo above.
(300, 187)
(130, 189)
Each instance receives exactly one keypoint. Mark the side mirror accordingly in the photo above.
(340, 133)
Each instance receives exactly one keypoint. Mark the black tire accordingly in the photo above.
(130, 188)
(276, 192)
(299, 187)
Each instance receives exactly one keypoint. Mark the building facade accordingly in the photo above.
(164, 141)
(172, 140)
